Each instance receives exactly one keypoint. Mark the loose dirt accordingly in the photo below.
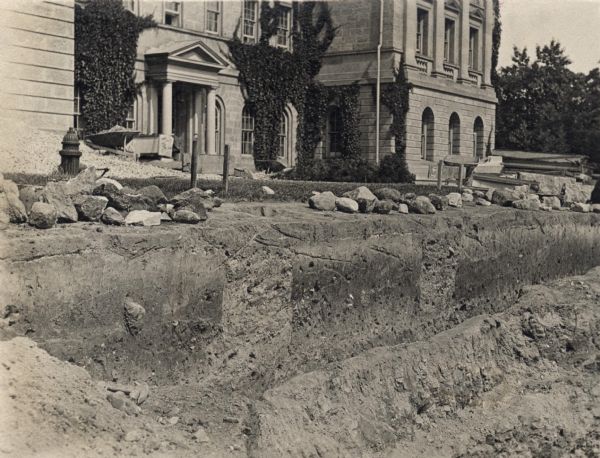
(305, 334)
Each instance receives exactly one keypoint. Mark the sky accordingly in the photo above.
(574, 23)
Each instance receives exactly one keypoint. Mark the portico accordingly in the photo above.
(181, 83)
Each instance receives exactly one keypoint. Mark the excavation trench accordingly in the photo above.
(297, 315)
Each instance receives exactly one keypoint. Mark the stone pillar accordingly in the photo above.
(488, 31)
(152, 116)
(210, 120)
(463, 74)
(439, 27)
(198, 123)
(167, 108)
(410, 32)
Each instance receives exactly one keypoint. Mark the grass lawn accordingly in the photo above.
(243, 189)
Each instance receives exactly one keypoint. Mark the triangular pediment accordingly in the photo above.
(195, 52)
(476, 12)
(197, 55)
(453, 4)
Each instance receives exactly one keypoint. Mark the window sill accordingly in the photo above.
(423, 56)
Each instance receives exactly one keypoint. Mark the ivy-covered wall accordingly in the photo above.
(106, 36)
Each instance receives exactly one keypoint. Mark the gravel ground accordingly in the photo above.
(36, 152)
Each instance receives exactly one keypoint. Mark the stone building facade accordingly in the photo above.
(37, 63)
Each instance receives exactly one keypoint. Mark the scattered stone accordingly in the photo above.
(454, 200)
(346, 205)
(164, 217)
(362, 192)
(324, 201)
(483, 202)
(551, 201)
(112, 217)
(581, 207)
(439, 202)
(173, 421)
(105, 188)
(201, 436)
(545, 208)
(134, 317)
(467, 191)
(140, 393)
(266, 191)
(29, 195)
(577, 192)
(124, 201)
(154, 194)
(479, 194)
(100, 181)
(521, 189)
(83, 183)
(42, 215)
(532, 197)
(193, 199)
(11, 208)
(90, 208)
(388, 194)
(503, 197)
(383, 207)
(489, 194)
(217, 202)
(467, 196)
(403, 208)
(120, 402)
(143, 218)
(422, 205)
(187, 216)
(166, 208)
(526, 204)
(595, 208)
(230, 420)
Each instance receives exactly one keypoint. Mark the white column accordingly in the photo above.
(487, 42)
(464, 42)
(167, 108)
(439, 21)
(152, 125)
(410, 32)
(198, 126)
(210, 120)
(190, 114)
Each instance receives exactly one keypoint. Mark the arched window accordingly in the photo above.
(334, 132)
(284, 127)
(454, 134)
(427, 135)
(219, 128)
(478, 141)
(247, 130)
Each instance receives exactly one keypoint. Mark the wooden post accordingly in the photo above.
(194, 164)
(226, 171)
(439, 177)
(460, 178)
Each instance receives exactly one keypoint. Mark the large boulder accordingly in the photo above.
(551, 201)
(454, 200)
(83, 183)
(581, 207)
(112, 217)
(324, 201)
(142, 218)
(548, 185)
(383, 207)
(11, 208)
(194, 199)
(577, 192)
(266, 191)
(482, 202)
(42, 215)
(526, 204)
(467, 197)
(104, 180)
(54, 193)
(403, 208)
(439, 202)
(90, 208)
(124, 201)
(186, 217)
(421, 205)
(346, 205)
(29, 195)
(366, 205)
(154, 194)
(388, 194)
(362, 192)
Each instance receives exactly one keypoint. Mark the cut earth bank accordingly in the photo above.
(307, 334)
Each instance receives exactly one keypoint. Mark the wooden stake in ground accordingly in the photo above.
(226, 171)
(194, 164)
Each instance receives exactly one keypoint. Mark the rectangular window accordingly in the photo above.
(213, 16)
(422, 31)
(449, 41)
(130, 120)
(474, 48)
(173, 13)
(218, 129)
(282, 137)
(249, 21)
(283, 28)
(247, 132)
(335, 132)
(77, 110)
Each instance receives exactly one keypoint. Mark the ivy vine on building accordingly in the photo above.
(106, 37)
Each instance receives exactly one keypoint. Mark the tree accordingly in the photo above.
(106, 36)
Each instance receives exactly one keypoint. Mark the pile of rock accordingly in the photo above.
(387, 200)
(85, 198)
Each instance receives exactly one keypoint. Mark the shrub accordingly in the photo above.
(393, 169)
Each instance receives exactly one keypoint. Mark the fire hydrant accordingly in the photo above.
(70, 154)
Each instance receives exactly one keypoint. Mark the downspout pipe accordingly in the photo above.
(378, 88)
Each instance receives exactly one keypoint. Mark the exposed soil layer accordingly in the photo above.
(313, 334)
